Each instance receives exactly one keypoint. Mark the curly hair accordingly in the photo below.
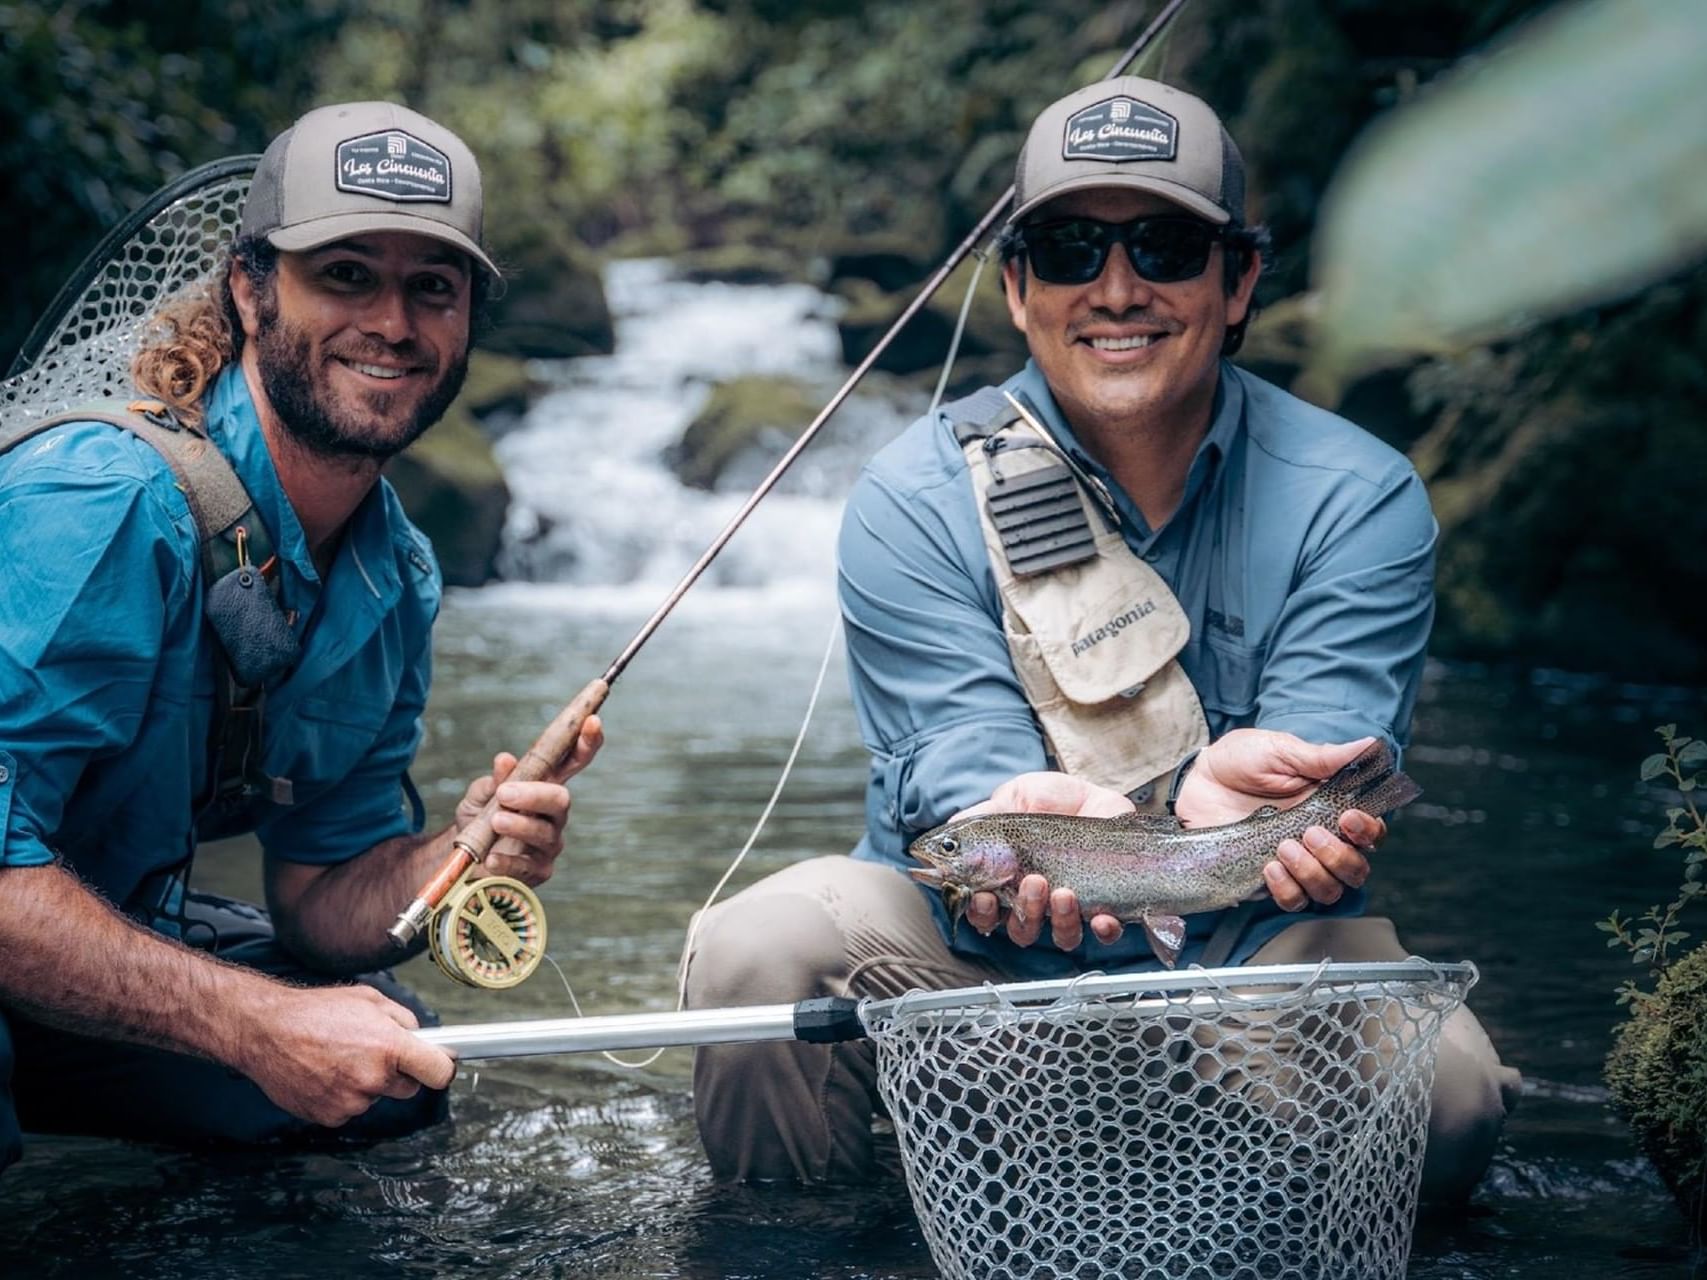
(1241, 243)
(196, 333)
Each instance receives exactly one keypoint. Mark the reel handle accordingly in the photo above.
(545, 759)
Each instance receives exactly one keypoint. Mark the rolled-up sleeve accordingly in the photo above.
(1346, 654)
(938, 703)
(94, 566)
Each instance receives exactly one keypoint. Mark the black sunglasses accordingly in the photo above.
(1161, 249)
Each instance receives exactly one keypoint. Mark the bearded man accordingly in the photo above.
(130, 1006)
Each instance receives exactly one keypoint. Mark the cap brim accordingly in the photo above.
(323, 231)
(1179, 194)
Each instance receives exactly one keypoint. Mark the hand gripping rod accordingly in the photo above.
(546, 757)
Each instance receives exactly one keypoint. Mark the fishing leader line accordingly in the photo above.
(752, 839)
(794, 752)
(983, 257)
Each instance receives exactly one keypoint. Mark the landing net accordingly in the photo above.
(1266, 1122)
(87, 352)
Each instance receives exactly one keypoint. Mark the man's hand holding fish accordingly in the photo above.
(1246, 772)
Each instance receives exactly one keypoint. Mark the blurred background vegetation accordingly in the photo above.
(852, 144)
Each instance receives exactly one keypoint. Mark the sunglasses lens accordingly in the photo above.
(1069, 252)
(1162, 250)
(1169, 249)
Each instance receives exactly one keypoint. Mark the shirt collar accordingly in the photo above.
(235, 426)
(1226, 420)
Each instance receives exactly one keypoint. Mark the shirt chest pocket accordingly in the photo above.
(1228, 678)
(321, 740)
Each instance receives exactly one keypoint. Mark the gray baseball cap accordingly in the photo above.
(366, 166)
(1132, 132)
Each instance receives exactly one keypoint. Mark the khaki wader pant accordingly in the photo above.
(834, 926)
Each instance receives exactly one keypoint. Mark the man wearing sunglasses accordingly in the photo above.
(1133, 574)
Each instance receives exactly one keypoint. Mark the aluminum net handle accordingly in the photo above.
(1265, 1122)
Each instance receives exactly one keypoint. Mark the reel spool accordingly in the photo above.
(488, 932)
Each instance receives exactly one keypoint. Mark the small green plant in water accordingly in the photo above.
(1654, 939)
(1657, 1070)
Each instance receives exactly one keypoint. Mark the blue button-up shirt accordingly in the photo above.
(107, 671)
(1302, 553)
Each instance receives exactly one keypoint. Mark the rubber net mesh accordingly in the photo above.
(1274, 1132)
(87, 356)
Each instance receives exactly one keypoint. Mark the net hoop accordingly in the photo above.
(1259, 1123)
(81, 348)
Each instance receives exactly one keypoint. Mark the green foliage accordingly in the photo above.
(1654, 938)
(101, 104)
(648, 125)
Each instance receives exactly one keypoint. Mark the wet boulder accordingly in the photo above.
(553, 304)
(449, 480)
(740, 415)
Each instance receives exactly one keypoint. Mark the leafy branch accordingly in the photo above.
(1654, 939)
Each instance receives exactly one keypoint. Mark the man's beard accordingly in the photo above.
(309, 412)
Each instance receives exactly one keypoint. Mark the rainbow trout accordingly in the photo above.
(1141, 868)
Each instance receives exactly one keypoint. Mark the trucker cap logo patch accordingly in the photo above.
(1120, 129)
(394, 165)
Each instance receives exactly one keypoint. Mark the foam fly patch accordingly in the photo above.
(1118, 129)
(394, 165)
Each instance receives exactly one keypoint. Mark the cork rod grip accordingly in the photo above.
(544, 760)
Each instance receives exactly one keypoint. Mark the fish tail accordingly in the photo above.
(1387, 794)
(1372, 784)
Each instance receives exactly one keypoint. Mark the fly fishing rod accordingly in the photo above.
(494, 936)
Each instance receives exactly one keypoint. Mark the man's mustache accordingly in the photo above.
(1132, 315)
(380, 353)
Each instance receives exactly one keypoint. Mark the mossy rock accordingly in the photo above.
(451, 486)
(739, 264)
(553, 305)
(736, 417)
(497, 385)
(890, 262)
(1278, 346)
(1657, 1073)
(923, 343)
(1562, 467)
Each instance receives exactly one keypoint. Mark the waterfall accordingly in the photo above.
(600, 523)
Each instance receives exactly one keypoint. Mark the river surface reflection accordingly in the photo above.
(1533, 825)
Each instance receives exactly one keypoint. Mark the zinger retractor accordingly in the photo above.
(488, 932)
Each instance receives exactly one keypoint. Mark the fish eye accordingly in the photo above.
(948, 844)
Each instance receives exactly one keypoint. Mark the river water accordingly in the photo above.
(1533, 825)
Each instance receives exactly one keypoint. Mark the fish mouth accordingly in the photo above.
(931, 875)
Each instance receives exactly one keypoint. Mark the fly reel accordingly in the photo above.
(488, 932)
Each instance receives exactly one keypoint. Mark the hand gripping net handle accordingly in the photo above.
(1265, 1122)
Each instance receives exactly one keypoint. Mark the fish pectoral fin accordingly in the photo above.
(1166, 935)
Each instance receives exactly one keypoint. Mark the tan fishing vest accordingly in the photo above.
(1093, 631)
